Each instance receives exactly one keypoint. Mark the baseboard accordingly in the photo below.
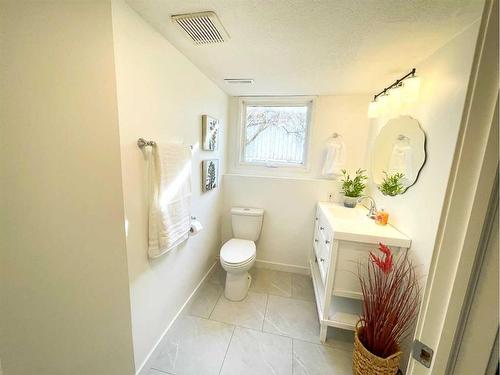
(282, 267)
(145, 366)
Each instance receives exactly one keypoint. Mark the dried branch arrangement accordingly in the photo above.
(391, 299)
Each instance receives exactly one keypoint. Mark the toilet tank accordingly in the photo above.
(247, 222)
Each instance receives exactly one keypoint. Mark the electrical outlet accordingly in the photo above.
(331, 196)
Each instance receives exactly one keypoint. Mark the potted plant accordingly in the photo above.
(353, 187)
(391, 298)
(392, 185)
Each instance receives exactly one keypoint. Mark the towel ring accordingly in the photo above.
(336, 135)
(402, 137)
(141, 143)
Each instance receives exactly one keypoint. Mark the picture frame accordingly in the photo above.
(210, 130)
(210, 175)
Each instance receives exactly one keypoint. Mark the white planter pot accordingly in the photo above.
(350, 201)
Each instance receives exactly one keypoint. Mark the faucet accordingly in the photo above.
(372, 211)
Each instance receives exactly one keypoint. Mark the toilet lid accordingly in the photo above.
(237, 251)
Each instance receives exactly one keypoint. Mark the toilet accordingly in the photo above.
(237, 255)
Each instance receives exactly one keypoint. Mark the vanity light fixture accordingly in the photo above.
(389, 100)
(395, 97)
(383, 104)
(411, 90)
(373, 109)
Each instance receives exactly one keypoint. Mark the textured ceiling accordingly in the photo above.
(314, 47)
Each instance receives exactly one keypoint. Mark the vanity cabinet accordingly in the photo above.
(343, 238)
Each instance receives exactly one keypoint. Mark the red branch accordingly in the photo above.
(391, 297)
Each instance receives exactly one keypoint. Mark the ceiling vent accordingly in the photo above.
(238, 80)
(202, 27)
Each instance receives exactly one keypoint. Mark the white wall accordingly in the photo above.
(345, 115)
(444, 79)
(290, 202)
(63, 269)
(161, 96)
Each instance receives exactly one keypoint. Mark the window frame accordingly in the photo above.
(274, 101)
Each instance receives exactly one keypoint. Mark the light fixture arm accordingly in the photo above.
(395, 84)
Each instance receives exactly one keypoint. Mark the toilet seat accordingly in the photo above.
(237, 253)
(238, 266)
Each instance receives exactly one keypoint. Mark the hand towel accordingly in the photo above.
(401, 161)
(169, 197)
(334, 159)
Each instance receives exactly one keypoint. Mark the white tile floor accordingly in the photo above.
(275, 330)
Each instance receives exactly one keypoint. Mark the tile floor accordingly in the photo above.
(275, 330)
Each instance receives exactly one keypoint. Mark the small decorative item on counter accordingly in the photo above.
(382, 217)
(353, 188)
(391, 299)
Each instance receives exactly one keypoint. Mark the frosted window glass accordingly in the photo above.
(275, 134)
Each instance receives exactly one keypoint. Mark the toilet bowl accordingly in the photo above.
(238, 254)
(237, 257)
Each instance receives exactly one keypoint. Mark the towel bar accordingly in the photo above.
(141, 143)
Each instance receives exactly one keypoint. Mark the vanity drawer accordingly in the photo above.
(324, 228)
(316, 233)
(323, 256)
(322, 243)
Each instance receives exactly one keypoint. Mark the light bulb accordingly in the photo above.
(395, 100)
(383, 104)
(411, 89)
(373, 109)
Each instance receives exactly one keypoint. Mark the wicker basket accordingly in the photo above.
(366, 363)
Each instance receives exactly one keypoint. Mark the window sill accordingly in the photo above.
(297, 178)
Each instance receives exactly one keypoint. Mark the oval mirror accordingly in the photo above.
(399, 151)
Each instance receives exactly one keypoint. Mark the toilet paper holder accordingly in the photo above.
(195, 227)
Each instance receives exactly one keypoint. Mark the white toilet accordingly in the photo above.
(237, 255)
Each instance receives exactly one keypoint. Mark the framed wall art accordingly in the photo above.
(210, 174)
(210, 132)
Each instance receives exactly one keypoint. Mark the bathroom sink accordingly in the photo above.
(352, 224)
(344, 213)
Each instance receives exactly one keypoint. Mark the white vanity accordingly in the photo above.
(343, 237)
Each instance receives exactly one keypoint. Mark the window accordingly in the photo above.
(275, 133)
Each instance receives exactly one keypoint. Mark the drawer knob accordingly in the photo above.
(327, 242)
(315, 240)
(321, 228)
(316, 218)
(322, 259)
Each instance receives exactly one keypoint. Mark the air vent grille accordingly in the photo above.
(202, 27)
(239, 80)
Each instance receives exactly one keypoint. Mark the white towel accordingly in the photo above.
(169, 197)
(334, 159)
(401, 161)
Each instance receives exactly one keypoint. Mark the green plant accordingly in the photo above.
(392, 185)
(353, 187)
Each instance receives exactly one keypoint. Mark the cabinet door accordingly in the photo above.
(324, 246)
(351, 256)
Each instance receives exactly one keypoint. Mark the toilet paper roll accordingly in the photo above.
(195, 227)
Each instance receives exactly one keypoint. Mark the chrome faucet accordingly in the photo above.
(372, 210)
